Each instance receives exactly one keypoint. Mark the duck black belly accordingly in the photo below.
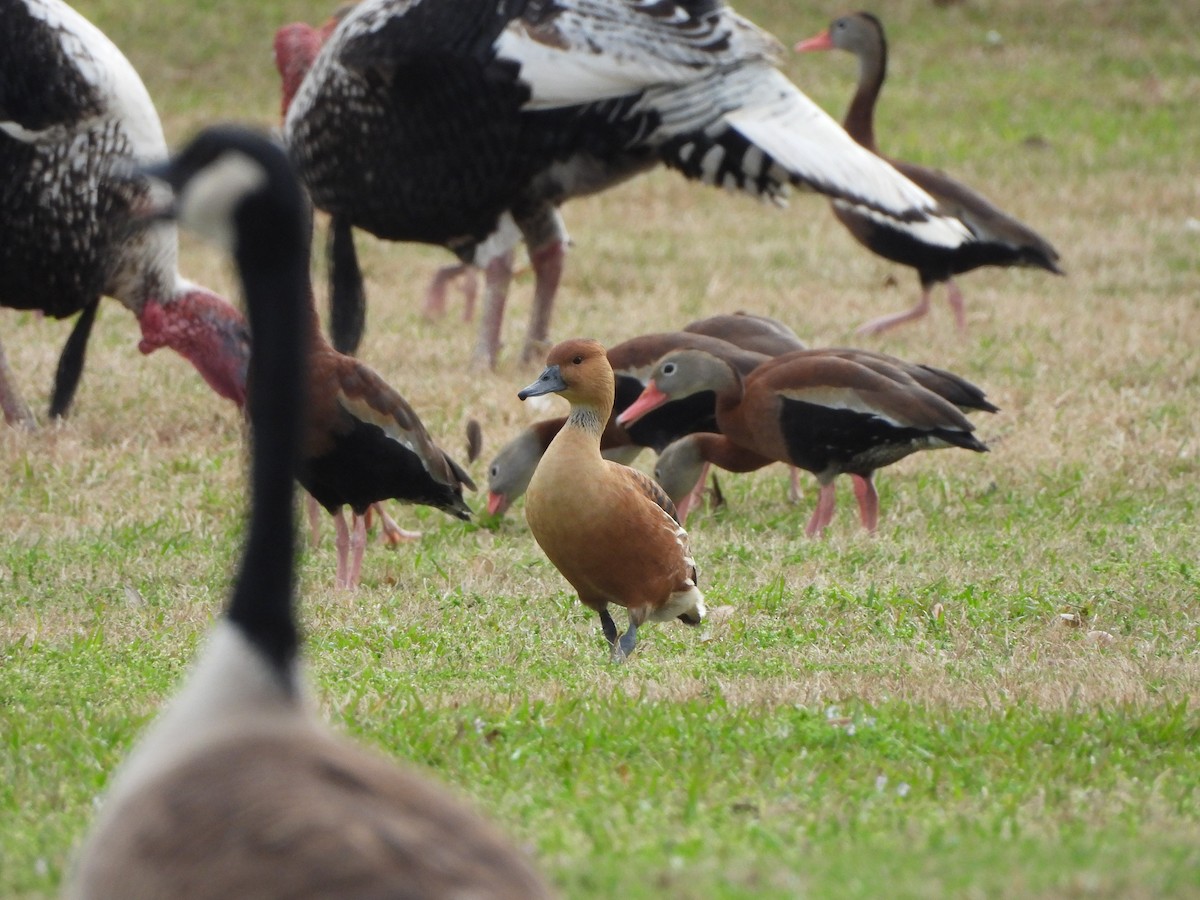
(666, 424)
(824, 440)
(366, 466)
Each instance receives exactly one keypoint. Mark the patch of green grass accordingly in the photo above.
(995, 695)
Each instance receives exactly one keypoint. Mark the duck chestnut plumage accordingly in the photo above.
(994, 238)
(238, 789)
(632, 361)
(468, 124)
(74, 120)
(830, 412)
(609, 529)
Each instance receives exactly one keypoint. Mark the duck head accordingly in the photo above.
(579, 370)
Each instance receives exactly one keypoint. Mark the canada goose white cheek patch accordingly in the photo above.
(209, 200)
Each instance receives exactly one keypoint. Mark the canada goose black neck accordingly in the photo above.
(272, 259)
(270, 247)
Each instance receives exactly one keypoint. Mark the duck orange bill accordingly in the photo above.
(650, 398)
(821, 41)
(497, 503)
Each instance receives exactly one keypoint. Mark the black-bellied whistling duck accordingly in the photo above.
(994, 238)
(762, 334)
(632, 361)
(609, 529)
(468, 126)
(74, 118)
(363, 444)
(830, 412)
(238, 789)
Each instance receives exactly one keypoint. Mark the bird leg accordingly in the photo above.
(884, 323)
(868, 501)
(343, 549)
(314, 522)
(16, 412)
(434, 306)
(547, 262)
(609, 627)
(393, 534)
(497, 277)
(358, 544)
(627, 643)
(823, 514)
(794, 494)
(955, 298)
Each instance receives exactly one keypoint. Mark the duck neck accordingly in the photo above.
(273, 264)
(729, 392)
(588, 419)
(860, 117)
(725, 454)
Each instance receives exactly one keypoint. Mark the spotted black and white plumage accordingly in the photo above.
(74, 118)
(430, 120)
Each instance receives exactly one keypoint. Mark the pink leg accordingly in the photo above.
(393, 534)
(434, 306)
(470, 291)
(497, 277)
(314, 520)
(794, 494)
(823, 514)
(955, 298)
(358, 544)
(693, 497)
(547, 262)
(343, 549)
(868, 501)
(16, 412)
(883, 323)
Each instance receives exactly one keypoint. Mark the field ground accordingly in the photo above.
(996, 695)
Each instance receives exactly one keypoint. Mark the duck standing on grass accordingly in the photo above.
(609, 529)
(992, 237)
(830, 412)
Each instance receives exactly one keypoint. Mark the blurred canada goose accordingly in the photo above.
(238, 790)
(609, 529)
(992, 237)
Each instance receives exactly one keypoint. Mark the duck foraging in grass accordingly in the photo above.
(609, 529)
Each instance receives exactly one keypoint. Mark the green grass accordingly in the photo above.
(996, 695)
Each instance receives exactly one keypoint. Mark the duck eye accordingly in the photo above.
(577, 360)
(493, 471)
(669, 369)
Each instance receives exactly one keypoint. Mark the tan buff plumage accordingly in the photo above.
(609, 529)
